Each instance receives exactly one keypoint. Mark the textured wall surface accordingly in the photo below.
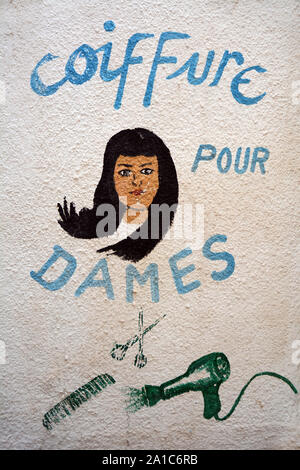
(52, 146)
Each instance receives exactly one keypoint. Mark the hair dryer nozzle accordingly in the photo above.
(153, 394)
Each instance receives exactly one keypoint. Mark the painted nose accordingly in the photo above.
(136, 180)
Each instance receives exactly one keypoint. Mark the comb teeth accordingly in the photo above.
(75, 399)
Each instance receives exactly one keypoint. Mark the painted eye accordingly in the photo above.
(147, 171)
(124, 172)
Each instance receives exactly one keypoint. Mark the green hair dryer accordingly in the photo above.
(205, 375)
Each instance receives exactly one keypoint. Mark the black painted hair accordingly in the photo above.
(130, 142)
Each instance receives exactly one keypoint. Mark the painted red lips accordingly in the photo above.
(137, 192)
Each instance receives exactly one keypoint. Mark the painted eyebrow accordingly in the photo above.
(124, 164)
(146, 164)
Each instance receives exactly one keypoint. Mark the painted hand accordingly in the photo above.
(69, 218)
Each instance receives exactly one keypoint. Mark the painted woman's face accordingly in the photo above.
(136, 180)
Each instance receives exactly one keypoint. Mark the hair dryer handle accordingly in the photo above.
(212, 404)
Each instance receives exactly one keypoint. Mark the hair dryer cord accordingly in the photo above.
(272, 374)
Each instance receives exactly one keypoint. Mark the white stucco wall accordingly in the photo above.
(53, 147)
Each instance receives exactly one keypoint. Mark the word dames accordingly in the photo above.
(132, 273)
(90, 55)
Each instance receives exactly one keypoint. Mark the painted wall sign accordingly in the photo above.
(149, 223)
(189, 67)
